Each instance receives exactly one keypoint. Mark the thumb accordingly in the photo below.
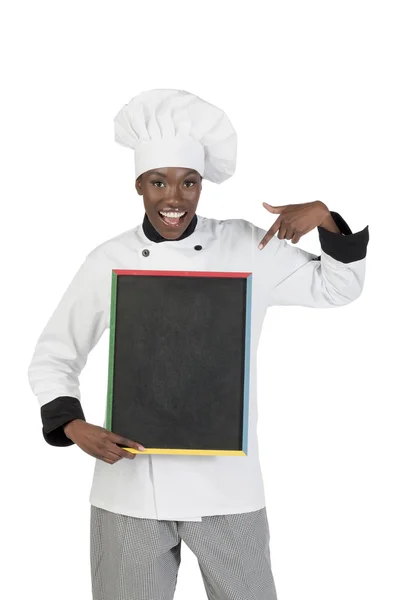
(273, 209)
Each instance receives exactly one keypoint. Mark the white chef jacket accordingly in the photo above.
(184, 487)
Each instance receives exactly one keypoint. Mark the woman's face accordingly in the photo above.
(170, 197)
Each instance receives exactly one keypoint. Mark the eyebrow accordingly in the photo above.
(191, 172)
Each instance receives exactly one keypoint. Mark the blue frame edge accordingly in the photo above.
(246, 391)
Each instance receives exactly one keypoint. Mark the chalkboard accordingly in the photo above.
(178, 380)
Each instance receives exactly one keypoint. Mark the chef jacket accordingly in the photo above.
(185, 487)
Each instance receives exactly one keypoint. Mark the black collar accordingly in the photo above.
(152, 234)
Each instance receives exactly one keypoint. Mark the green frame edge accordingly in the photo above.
(113, 308)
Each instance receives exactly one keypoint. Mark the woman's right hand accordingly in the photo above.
(100, 442)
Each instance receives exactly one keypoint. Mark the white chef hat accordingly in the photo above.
(174, 128)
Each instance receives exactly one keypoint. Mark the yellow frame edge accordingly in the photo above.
(178, 451)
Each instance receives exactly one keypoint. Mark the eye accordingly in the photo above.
(190, 182)
(157, 182)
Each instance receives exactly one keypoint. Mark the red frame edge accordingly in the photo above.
(181, 273)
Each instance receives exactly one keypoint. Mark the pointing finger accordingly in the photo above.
(270, 234)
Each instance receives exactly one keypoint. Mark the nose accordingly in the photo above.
(173, 193)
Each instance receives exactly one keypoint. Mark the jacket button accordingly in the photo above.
(146, 252)
(198, 247)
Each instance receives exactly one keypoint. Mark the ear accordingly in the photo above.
(138, 186)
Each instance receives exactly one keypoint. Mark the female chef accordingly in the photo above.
(143, 505)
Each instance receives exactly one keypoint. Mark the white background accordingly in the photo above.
(312, 90)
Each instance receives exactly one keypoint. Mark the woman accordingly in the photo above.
(143, 506)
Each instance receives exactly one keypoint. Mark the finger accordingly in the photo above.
(108, 460)
(121, 452)
(108, 457)
(296, 237)
(299, 234)
(110, 454)
(119, 439)
(270, 233)
(107, 449)
(282, 232)
(129, 455)
(274, 209)
(289, 233)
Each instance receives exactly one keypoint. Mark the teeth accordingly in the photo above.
(171, 214)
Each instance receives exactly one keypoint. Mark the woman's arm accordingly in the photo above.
(62, 349)
(336, 277)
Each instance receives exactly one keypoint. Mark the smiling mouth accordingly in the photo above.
(172, 219)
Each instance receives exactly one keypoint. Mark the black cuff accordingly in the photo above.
(55, 415)
(345, 248)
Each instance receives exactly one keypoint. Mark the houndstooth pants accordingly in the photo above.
(138, 559)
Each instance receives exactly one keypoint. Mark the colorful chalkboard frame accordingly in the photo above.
(247, 278)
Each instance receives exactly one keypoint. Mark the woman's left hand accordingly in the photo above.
(295, 220)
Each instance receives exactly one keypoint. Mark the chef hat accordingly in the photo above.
(173, 128)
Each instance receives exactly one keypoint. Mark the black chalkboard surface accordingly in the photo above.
(179, 360)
